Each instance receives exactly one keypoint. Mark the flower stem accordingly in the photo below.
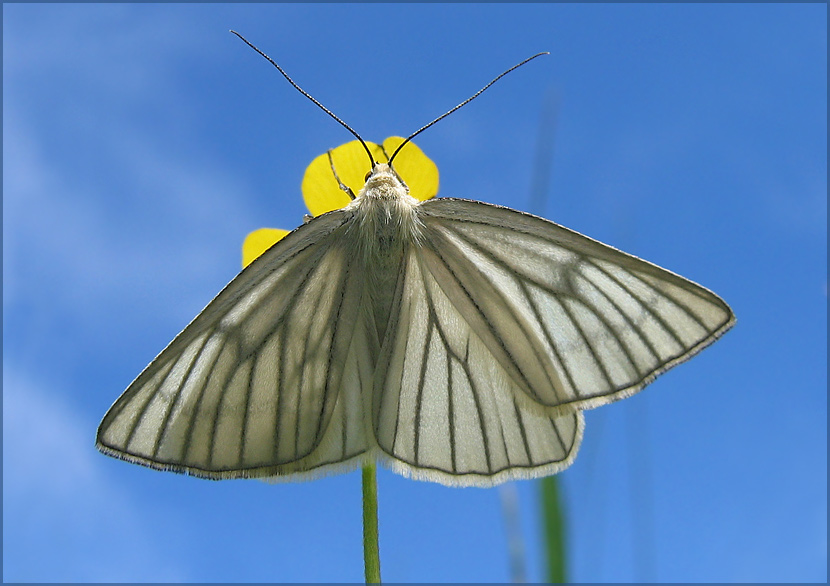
(371, 555)
(554, 528)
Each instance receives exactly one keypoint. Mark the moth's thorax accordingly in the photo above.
(383, 183)
(386, 212)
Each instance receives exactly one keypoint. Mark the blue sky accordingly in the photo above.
(142, 143)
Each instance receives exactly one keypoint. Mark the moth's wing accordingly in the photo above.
(443, 407)
(250, 387)
(575, 322)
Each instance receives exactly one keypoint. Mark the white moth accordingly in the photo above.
(453, 340)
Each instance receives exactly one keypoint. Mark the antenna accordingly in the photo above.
(310, 97)
(464, 103)
(349, 128)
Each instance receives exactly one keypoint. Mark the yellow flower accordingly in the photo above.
(322, 192)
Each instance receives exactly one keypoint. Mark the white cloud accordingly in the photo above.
(79, 232)
(59, 505)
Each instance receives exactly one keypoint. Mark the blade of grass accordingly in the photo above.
(509, 498)
(552, 515)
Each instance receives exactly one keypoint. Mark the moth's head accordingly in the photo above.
(383, 178)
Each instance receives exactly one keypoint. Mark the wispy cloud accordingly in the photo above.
(82, 244)
(59, 506)
(82, 228)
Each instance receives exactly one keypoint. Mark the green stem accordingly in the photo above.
(554, 527)
(371, 555)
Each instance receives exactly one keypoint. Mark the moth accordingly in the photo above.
(453, 340)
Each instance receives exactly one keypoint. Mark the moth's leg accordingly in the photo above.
(342, 185)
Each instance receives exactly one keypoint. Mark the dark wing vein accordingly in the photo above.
(215, 402)
(457, 419)
(574, 322)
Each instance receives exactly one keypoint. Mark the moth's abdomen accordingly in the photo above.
(387, 226)
(386, 236)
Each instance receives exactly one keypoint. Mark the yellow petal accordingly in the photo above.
(415, 168)
(258, 242)
(321, 191)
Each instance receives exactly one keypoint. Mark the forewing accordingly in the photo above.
(250, 387)
(445, 410)
(575, 322)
